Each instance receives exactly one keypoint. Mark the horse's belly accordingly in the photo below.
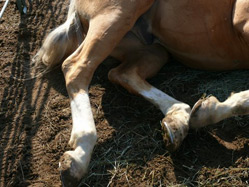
(199, 33)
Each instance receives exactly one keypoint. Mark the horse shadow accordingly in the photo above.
(128, 126)
(130, 133)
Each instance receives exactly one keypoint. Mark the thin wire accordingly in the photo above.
(4, 7)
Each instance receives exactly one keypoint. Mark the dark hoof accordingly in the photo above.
(173, 134)
(68, 168)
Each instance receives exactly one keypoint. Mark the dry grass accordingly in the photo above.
(134, 153)
(130, 150)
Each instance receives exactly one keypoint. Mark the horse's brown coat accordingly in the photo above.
(201, 34)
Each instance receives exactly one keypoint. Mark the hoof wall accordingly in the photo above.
(67, 167)
(173, 134)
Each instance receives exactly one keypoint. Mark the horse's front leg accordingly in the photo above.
(105, 31)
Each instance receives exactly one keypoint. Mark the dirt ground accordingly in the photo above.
(35, 119)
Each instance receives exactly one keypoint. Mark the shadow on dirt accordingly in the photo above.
(23, 100)
(130, 149)
(136, 140)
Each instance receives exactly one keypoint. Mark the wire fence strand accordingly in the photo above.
(4, 7)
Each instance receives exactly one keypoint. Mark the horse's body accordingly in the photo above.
(140, 33)
(204, 34)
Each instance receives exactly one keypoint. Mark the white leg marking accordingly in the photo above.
(237, 104)
(83, 136)
(212, 110)
(83, 122)
(164, 102)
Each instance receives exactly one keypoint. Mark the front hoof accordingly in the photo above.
(173, 133)
(69, 171)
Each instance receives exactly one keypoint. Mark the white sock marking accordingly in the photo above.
(83, 121)
(159, 98)
(83, 136)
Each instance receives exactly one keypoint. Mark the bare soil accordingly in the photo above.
(35, 119)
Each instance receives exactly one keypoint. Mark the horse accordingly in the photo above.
(141, 34)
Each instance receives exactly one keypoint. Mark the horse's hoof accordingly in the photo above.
(203, 112)
(173, 133)
(68, 171)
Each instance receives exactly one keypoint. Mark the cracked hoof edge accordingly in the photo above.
(169, 132)
(66, 167)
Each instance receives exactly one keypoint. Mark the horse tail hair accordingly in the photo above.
(61, 42)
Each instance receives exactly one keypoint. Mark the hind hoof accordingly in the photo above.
(204, 112)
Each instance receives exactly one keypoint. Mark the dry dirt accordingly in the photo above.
(35, 119)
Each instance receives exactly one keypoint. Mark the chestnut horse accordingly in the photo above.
(202, 34)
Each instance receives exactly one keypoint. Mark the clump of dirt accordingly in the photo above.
(35, 119)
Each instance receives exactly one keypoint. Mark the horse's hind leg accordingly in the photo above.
(209, 110)
(105, 31)
(131, 74)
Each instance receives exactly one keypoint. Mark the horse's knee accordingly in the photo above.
(69, 74)
(77, 74)
(121, 76)
(129, 79)
(67, 65)
(113, 76)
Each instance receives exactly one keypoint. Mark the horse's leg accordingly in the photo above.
(105, 31)
(131, 74)
(209, 110)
